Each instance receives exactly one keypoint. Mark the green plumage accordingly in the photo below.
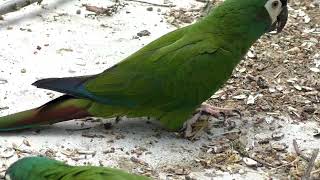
(41, 168)
(168, 78)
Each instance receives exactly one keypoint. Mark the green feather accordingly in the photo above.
(41, 168)
(171, 76)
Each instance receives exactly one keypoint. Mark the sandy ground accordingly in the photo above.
(52, 40)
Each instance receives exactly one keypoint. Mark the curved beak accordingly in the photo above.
(281, 19)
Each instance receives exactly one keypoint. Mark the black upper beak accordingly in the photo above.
(281, 19)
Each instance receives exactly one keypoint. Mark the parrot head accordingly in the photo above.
(249, 17)
(21, 168)
(278, 12)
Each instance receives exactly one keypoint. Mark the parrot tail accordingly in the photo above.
(61, 109)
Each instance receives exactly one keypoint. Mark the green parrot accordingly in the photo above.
(42, 168)
(169, 78)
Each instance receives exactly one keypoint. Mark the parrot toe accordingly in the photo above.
(194, 126)
(217, 112)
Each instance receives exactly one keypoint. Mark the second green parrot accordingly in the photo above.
(167, 79)
(41, 168)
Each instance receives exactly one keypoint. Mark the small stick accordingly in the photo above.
(246, 154)
(262, 162)
(287, 164)
(153, 4)
(298, 151)
(315, 171)
(22, 150)
(15, 5)
(80, 129)
(307, 173)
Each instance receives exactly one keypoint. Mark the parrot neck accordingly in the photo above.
(236, 29)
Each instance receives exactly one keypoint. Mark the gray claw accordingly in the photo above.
(118, 118)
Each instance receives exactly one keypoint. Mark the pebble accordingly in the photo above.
(280, 88)
(138, 161)
(189, 177)
(297, 87)
(279, 146)
(250, 54)
(242, 70)
(240, 97)
(307, 19)
(262, 82)
(293, 50)
(272, 90)
(309, 109)
(269, 120)
(149, 8)
(3, 81)
(277, 136)
(242, 171)
(314, 69)
(71, 71)
(143, 33)
(4, 108)
(250, 162)
(220, 148)
(316, 134)
(250, 99)
(26, 142)
(262, 138)
(170, 19)
(7, 153)
(86, 152)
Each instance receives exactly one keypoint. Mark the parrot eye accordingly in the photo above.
(275, 4)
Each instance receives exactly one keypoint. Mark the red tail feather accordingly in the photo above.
(61, 109)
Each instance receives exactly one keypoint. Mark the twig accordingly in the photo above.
(98, 10)
(262, 162)
(287, 164)
(226, 133)
(81, 129)
(15, 5)
(298, 151)
(315, 171)
(238, 146)
(307, 173)
(22, 150)
(153, 4)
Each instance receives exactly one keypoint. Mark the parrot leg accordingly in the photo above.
(193, 126)
(118, 119)
(109, 125)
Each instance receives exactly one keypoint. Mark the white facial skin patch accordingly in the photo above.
(274, 8)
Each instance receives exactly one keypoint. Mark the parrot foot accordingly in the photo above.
(193, 127)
